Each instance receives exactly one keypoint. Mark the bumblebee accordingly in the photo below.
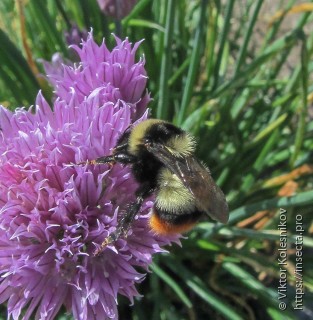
(162, 161)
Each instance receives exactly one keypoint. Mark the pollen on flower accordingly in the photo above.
(52, 213)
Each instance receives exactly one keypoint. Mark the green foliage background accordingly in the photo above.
(243, 87)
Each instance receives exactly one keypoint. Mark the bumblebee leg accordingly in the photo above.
(121, 157)
(125, 158)
(126, 221)
(106, 159)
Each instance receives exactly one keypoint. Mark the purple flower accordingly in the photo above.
(116, 8)
(52, 214)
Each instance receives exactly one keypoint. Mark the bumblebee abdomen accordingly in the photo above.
(174, 210)
(172, 195)
(164, 222)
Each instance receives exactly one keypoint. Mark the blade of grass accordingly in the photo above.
(194, 64)
(38, 12)
(163, 110)
(200, 289)
(222, 41)
(240, 255)
(145, 24)
(157, 296)
(257, 166)
(139, 7)
(300, 199)
(243, 48)
(283, 43)
(266, 131)
(294, 80)
(274, 27)
(304, 105)
(179, 72)
(173, 284)
(243, 212)
(212, 36)
(272, 235)
(14, 66)
(191, 123)
(93, 18)
(266, 294)
(277, 314)
(63, 13)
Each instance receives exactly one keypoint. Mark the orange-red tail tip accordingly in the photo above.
(163, 227)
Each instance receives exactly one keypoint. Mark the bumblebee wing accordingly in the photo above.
(197, 179)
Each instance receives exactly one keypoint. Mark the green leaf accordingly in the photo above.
(16, 73)
(173, 284)
(200, 289)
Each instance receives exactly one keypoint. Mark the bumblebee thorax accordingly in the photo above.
(176, 141)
